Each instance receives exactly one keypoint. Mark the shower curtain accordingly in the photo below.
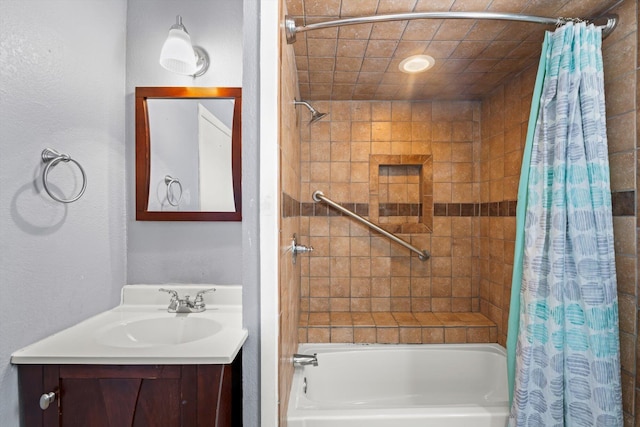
(565, 324)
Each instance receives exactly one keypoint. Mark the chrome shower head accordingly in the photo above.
(315, 114)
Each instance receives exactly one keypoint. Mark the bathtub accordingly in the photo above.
(389, 385)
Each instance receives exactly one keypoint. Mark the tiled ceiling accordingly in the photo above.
(361, 61)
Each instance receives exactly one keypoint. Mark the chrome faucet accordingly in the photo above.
(305, 359)
(186, 305)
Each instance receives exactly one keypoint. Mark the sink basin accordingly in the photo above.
(140, 331)
(157, 331)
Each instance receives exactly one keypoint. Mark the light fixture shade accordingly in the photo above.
(177, 53)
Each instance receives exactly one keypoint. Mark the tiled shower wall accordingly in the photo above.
(352, 269)
(504, 118)
(289, 274)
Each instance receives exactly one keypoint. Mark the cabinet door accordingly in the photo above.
(104, 396)
(34, 381)
(132, 395)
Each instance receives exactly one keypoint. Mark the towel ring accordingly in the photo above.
(51, 158)
(170, 196)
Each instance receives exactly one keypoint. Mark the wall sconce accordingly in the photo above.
(180, 56)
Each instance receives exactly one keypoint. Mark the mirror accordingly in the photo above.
(188, 154)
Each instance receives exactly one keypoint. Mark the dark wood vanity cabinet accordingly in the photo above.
(132, 395)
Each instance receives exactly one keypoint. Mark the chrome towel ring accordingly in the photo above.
(171, 197)
(51, 158)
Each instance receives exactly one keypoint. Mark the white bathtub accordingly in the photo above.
(388, 385)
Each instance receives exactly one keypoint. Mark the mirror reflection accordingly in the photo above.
(191, 143)
(188, 154)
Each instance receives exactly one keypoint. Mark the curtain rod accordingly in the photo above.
(291, 29)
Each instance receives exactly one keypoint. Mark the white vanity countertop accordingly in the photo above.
(140, 331)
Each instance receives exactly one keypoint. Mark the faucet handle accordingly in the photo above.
(200, 296)
(173, 304)
(174, 294)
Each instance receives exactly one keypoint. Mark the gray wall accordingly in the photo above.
(201, 252)
(196, 252)
(62, 74)
(68, 70)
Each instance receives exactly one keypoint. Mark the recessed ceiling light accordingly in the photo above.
(416, 64)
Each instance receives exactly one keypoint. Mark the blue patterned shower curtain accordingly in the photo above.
(567, 369)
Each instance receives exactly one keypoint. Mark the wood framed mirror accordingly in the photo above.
(188, 154)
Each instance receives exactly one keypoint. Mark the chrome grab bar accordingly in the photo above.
(318, 196)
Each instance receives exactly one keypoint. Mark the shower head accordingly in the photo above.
(315, 114)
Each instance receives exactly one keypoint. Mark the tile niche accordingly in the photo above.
(401, 192)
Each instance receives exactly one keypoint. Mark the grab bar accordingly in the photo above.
(319, 196)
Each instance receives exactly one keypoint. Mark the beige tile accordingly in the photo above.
(619, 99)
(478, 335)
(620, 133)
(410, 335)
(319, 319)
(339, 267)
(319, 287)
(428, 319)
(433, 335)
(380, 304)
(627, 313)
(364, 335)
(343, 335)
(384, 319)
(360, 150)
(360, 305)
(624, 235)
(441, 305)
(340, 319)
(381, 131)
(420, 304)
(302, 335)
(626, 274)
(360, 287)
(380, 287)
(362, 319)
(405, 319)
(360, 131)
(421, 131)
(400, 265)
(337, 304)
(339, 246)
(318, 335)
(627, 351)
(400, 304)
(441, 131)
(455, 335)
(620, 164)
(461, 305)
(386, 335)
(339, 287)
(319, 266)
(319, 305)
(441, 287)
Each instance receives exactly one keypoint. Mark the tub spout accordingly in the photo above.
(305, 359)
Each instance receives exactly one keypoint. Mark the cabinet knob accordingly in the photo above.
(47, 399)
